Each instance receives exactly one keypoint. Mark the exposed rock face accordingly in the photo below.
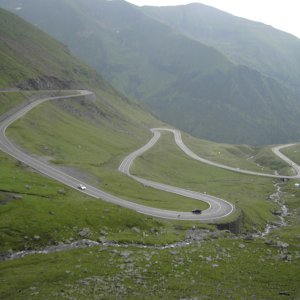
(45, 83)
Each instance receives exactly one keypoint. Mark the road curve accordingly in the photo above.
(276, 151)
(218, 208)
(216, 211)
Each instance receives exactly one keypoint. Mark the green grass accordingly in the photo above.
(250, 193)
(218, 269)
(291, 198)
(293, 153)
(32, 205)
(36, 212)
(78, 134)
(10, 100)
(92, 137)
(28, 53)
(239, 156)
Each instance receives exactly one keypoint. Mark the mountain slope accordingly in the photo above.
(86, 138)
(136, 255)
(189, 84)
(135, 53)
(256, 45)
(241, 105)
(32, 59)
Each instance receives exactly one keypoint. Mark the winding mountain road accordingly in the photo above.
(218, 208)
(190, 153)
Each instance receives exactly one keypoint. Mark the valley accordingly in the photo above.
(159, 239)
(193, 66)
(97, 193)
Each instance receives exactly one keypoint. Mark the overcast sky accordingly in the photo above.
(281, 14)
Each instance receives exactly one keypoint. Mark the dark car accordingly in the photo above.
(197, 211)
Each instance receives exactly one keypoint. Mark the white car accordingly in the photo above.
(81, 187)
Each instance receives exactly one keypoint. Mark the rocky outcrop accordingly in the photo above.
(45, 83)
(234, 226)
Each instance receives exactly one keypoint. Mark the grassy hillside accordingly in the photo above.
(89, 137)
(239, 156)
(85, 137)
(32, 200)
(185, 82)
(32, 59)
(91, 145)
(217, 269)
(135, 53)
(250, 193)
(293, 153)
(37, 212)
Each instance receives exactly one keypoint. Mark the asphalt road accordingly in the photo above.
(218, 208)
(276, 151)
(190, 153)
(213, 213)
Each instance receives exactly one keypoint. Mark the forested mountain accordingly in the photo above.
(186, 80)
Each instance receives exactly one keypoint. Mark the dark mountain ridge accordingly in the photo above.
(31, 59)
(270, 51)
(191, 84)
